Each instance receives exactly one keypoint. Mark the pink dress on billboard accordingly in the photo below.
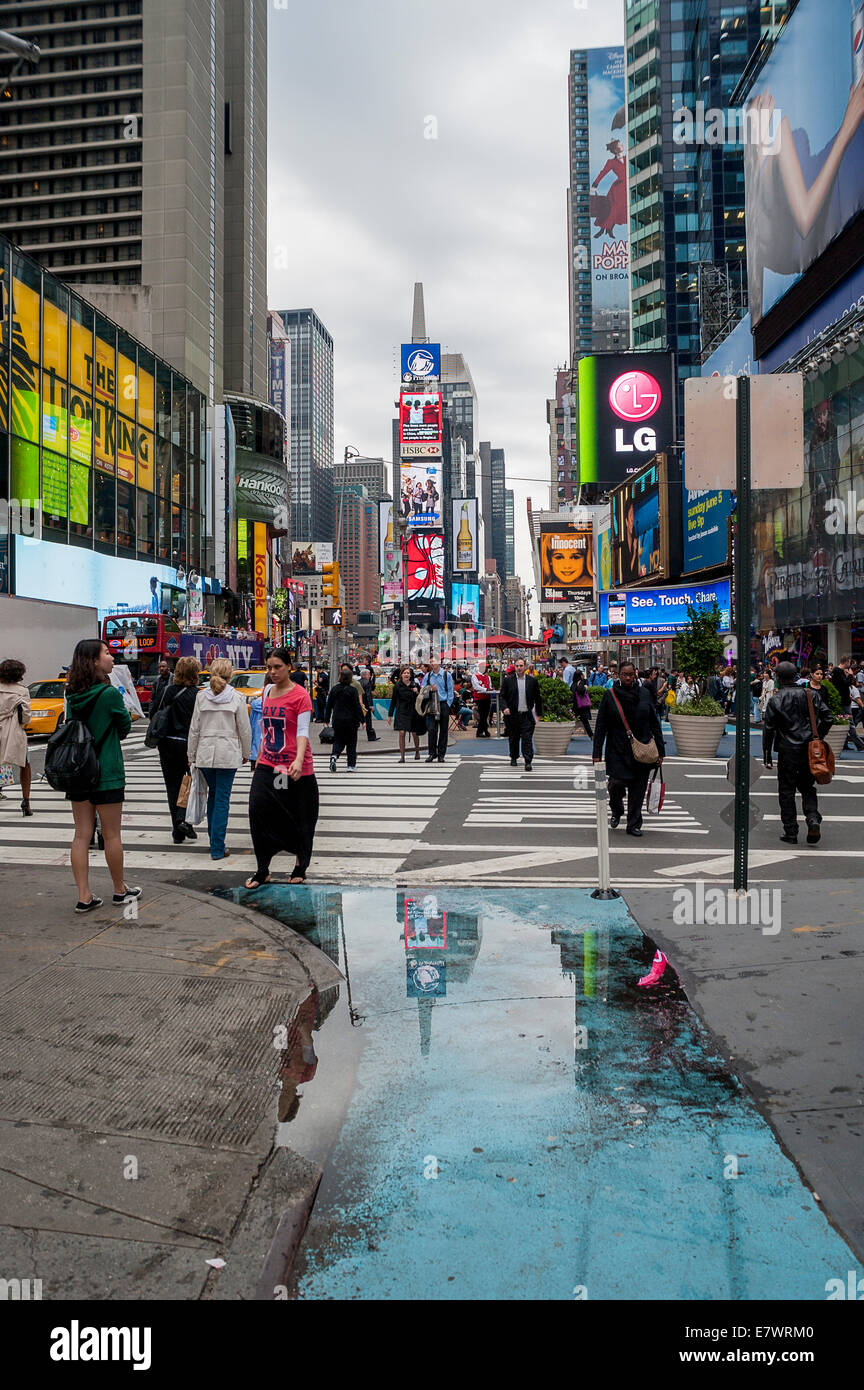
(615, 213)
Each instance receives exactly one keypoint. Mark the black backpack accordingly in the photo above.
(71, 760)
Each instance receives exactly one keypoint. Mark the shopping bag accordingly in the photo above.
(185, 789)
(7, 776)
(656, 794)
(196, 806)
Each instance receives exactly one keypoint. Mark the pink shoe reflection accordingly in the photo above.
(656, 971)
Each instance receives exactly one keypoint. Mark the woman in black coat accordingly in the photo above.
(402, 706)
(179, 702)
(622, 769)
(345, 713)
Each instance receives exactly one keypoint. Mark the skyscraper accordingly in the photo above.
(312, 481)
(496, 545)
(133, 162)
(460, 398)
(371, 472)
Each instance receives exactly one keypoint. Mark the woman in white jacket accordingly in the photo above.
(220, 740)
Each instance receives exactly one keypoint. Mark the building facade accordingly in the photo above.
(133, 163)
(311, 432)
(358, 556)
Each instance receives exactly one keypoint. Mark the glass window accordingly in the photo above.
(163, 467)
(146, 390)
(103, 376)
(163, 401)
(25, 350)
(127, 377)
(104, 504)
(80, 479)
(24, 474)
(178, 415)
(179, 555)
(125, 517)
(54, 491)
(178, 477)
(146, 523)
(163, 529)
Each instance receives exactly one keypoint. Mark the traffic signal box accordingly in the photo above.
(330, 582)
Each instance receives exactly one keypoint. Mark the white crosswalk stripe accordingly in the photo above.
(370, 821)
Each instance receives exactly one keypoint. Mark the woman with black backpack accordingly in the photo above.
(174, 716)
(98, 705)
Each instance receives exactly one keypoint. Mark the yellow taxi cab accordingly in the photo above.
(46, 705)
(250, 683)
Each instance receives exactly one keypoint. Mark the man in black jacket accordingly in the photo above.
(634, 702)
(160, 686)
(520, 697)
(789, 729)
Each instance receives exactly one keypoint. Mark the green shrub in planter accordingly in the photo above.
(704, 707)
(595, 695)
(831, 696)
(557, 700)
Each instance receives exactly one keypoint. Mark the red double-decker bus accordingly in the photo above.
(140, 641)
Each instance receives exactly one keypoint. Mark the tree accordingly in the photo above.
(699, 647)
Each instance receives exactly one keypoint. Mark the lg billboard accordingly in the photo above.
(626, 414)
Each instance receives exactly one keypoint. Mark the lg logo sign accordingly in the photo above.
(635, 396)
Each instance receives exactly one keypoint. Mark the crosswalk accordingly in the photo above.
(370, 821)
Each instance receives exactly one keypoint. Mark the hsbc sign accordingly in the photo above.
(625, 414)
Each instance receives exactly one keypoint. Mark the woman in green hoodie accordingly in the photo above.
(92, 698)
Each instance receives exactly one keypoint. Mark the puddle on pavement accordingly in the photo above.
(501, 1113)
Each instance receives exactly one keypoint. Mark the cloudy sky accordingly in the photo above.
(362, 203)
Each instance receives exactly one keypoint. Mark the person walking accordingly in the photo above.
(220, 741)
(322, 689)
(481, 684)
(440, 683)
(850, 699)
(627, 705)
(367, 682)
(91, 698)
(768, 688)
(161, 684)
(345, 712)
(581, 701)
(14, 719)
(788, 727)
(403, 712)
(179, 702)
(520, 697)
(283, 798)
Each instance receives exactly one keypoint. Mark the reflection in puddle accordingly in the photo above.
(501, 1112)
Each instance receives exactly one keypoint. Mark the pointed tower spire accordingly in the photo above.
(418, 318)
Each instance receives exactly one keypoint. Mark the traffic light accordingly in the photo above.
(330, 585)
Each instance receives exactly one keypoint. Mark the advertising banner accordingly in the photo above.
(804, 147)
(626, 414)
(566, 563)
(464, 535)
(607, 154)
(661, 612)
(421, 362)
(465, 601)
(424, 565)
(420, 423)
(310, 557)
(104, 582)
(389, 554)
(278, 354)
(706, 534)
(639, 526)
(259, 575)
(420, 494)
(242, 653)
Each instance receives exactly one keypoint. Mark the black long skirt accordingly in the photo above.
(282, 817)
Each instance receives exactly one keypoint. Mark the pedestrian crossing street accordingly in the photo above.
(370, 820)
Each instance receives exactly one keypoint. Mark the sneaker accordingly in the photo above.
(127, 896)
(88, 907)
(352, 769)
(332, 764)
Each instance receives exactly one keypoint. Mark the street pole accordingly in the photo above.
(604, 891)
(743, 604)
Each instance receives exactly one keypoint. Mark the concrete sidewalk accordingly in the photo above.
(141, 1082)
(785, 1010)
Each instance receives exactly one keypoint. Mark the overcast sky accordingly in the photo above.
(362, 204)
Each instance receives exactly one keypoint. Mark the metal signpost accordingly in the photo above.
(743, 605)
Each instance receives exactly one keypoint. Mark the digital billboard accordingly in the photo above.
(420, 491)
(421, 362)
(607, 157)
(465, 601)
(566, 563)
(706, 513)
(389, 554)
(464, 535)
(640, 520)
(804, 151)
(420, 423)
(424, 565)
(626, 414)
(661, 612)
(104, 582)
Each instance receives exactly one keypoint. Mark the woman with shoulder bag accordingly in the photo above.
(345, 711)
(175, 715)
(581, 701)
(402, 706)
(14, 718)
(220, 741)
(628, 724)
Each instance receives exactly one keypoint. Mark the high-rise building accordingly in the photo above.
(358, 555)
(460, 398)
(133, 164)
(515, 613)
(371, 472)
(312, 481)
(597, 236)
(563, 421)
(687, 235)
(497, 532)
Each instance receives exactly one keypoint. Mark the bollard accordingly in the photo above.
(601, 793)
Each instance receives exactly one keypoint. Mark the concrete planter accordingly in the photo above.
(552, 740)
(835, 738)
(697, 736)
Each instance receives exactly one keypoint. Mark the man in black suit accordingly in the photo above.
(520, 697)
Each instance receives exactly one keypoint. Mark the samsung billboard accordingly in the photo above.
(661, 612)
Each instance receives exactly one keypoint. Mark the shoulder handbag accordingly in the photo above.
(819, 755)
(642, 752)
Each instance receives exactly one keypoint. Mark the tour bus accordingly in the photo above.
(141, 640)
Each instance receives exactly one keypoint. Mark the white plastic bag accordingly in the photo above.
(196, 806)
(121, 677)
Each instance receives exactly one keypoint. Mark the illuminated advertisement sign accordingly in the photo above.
(566, 563)
(610, 228)
(104, 582)
(706, 531)
(420, 423)
(625, 414)
(661, 612)
(421, 361)
(464, 535)
(259, 575)
(420, 492)
(424, 565)
(465, 601)
(640, 526)
(804, 161)
(389, 555)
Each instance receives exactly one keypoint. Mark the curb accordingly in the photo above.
(279, 1261)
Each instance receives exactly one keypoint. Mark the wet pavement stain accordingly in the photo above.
(502, 1114)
